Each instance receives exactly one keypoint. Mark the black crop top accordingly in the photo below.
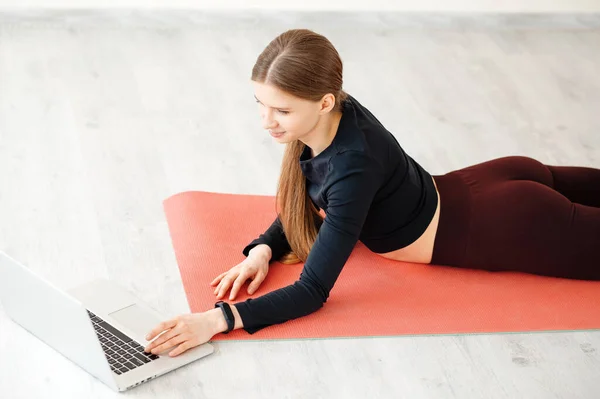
(370, 190)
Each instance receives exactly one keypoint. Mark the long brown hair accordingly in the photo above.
(304, 64)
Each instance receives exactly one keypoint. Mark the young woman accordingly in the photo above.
(512, 213)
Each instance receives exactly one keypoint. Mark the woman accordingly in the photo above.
(512, 213)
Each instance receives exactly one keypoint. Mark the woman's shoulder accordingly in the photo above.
(349, 162)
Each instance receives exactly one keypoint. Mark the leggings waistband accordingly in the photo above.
(451, 240)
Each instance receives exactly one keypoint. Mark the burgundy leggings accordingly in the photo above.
(518, 214)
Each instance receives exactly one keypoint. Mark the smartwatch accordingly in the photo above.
(228, 315)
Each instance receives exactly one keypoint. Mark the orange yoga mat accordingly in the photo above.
(373, 296)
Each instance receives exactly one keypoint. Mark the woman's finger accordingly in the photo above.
(238, 284)
(160, 328)
(224, 277)
(181, 348)
(225, 283)
(173, 341)
(260, 277)
(218, 287)
(161, 339)
(218, 278)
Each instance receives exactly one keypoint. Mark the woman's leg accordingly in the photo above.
(505, 214)
(578, 183)
(529, 227)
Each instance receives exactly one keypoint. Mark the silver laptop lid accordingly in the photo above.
(53, 316)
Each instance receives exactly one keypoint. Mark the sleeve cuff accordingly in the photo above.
(246, 317)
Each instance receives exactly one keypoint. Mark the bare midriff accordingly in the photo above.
(421, 250)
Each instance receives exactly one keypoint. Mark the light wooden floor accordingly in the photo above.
(105, 114)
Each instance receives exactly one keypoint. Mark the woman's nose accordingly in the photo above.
(267, 122)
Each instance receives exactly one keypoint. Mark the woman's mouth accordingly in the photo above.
(275, 134)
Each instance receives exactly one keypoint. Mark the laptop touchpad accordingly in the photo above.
(136, 319)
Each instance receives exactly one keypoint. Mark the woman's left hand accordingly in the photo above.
(185, 332)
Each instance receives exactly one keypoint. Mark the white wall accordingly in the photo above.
(574, 6)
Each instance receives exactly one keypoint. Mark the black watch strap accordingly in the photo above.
(229, 318)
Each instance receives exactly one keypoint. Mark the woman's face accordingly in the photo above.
(282, 112)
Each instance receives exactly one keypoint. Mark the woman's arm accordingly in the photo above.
(262, 249)
(274, 238)
(349, 194)
(350, 190)
(218, 320)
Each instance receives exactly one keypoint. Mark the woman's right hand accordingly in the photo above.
(255, 267)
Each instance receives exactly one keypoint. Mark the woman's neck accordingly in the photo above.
(322, 137)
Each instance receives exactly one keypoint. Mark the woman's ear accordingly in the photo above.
(327, 103)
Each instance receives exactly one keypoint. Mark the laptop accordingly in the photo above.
(99, 325)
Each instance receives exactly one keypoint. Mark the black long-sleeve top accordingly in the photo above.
(370, 190)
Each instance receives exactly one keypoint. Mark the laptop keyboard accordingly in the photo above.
(122, 352)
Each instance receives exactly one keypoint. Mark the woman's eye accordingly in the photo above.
(282, 112)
